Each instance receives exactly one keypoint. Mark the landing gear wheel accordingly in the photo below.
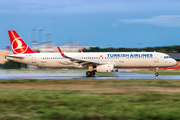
(92, 73)
(88, 74)
(156, 74)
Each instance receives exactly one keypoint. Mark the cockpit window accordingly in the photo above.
(166, 57)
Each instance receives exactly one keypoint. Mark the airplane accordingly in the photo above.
(94, 61)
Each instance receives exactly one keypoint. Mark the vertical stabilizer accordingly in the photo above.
(17, 43)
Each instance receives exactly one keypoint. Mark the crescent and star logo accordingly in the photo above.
(19, 46)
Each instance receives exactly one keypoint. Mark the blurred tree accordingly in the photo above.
(1, 66)
(164, 49)
(13, 65)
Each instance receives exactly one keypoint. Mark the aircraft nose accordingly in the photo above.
(174, 62)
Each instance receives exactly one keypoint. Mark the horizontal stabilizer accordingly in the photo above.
(11, 56)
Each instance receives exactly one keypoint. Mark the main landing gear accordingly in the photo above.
(156, 73)
(90, 73)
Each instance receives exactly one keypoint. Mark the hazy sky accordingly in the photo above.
(103, 23)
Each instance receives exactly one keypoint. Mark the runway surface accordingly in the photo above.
(78, 75)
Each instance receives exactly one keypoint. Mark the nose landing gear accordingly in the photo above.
(156, 73)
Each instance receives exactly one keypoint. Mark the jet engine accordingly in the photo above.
(105, 68)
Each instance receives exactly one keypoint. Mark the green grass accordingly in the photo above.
(89, 99)
(161, 72)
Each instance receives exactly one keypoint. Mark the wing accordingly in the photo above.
(81, 61)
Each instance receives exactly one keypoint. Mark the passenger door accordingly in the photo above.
(34, 58)
(156, 57)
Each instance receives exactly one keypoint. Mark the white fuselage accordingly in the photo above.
(118, 59)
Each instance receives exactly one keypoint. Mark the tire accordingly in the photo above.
(88, 74)
(92, 73)
(156, 74)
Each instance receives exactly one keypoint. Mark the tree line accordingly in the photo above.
(164, 49)
(12, 65)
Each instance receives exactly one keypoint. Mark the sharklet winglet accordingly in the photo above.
(62, 54)
(80, 51)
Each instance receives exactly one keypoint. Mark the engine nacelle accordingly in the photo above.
(105, 68)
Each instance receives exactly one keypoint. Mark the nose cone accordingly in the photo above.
(173, 62)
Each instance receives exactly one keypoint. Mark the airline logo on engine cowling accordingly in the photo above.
(19, 46)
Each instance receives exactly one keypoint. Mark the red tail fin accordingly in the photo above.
(17, 43)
